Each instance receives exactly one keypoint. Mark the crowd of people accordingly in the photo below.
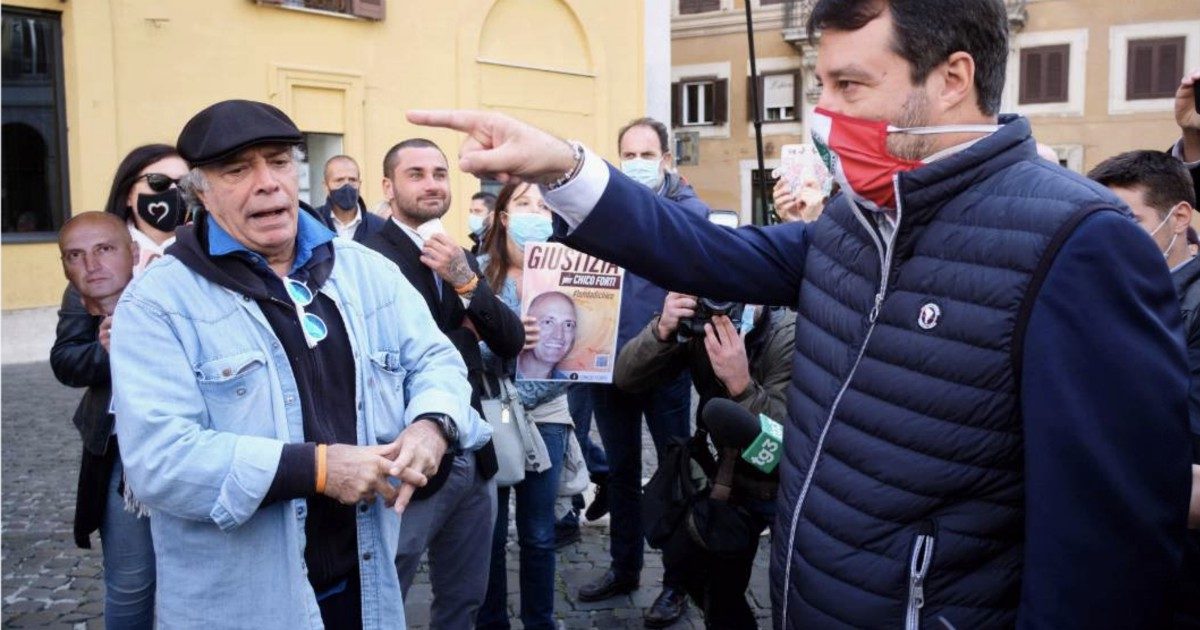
(986, 368)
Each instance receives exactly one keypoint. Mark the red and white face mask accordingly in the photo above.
(855, 150)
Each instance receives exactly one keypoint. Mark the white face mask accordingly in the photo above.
(1170, 244)
(643, 171)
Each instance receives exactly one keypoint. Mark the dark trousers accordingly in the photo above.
(343, 610)
(619, 419)
(717, 583)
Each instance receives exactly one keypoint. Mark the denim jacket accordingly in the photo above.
(206, 399)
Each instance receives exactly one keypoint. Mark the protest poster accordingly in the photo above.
(576, 299)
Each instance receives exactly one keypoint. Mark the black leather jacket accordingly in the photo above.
(78, 360)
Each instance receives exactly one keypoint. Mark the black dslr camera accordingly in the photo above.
(693, 327)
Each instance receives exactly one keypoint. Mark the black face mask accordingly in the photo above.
(165, 210)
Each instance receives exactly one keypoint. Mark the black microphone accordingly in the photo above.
(730, 424)
(733, 426)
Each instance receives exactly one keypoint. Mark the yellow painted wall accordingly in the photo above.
(136, 70)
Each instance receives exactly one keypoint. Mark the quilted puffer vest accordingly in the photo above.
(902, 503)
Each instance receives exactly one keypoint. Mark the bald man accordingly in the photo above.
(344, 211)
(557, 320)
(98, 256)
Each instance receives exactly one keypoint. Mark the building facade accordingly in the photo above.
(1095, 78)
(85, 82)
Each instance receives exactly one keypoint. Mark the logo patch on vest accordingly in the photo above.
(929, 316)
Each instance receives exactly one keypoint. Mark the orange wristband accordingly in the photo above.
(321, 468)
(468, 287)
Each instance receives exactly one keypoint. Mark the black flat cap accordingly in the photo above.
(221, 130)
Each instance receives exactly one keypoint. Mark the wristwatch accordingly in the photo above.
(446, 424)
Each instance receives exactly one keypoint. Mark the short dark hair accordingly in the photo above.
(392, 157)
(659, 128)
(127, 175)
(488, 198)
(1163, 179)
(927, 32)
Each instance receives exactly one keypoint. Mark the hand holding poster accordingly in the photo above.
(576, 301)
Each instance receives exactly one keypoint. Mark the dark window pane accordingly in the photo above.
(1170, 66)
(1153, 67)
(34, 143)
(1044, 74)
(1056, 76)
(710, 102)
(698, 6)
(692, 114)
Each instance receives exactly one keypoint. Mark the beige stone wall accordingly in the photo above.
(1089, 132)
(717, 178)
(1100, 133)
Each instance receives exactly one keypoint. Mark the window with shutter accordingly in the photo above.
(1044, 74)
(779, 96)
(779, 93)
(1153, 67)
(699, 101)
(688, 7)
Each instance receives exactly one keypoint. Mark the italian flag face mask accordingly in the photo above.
(855, 150)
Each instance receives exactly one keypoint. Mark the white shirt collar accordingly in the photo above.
(416, 238)
(347, 229)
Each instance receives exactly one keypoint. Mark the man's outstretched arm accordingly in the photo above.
(621, 221)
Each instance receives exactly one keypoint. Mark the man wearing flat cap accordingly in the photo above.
(278, 393)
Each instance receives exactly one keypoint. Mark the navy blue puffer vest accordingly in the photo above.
(903, 493)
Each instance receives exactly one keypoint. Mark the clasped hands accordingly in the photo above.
(356, 473)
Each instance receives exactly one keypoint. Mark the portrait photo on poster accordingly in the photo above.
(576, 300)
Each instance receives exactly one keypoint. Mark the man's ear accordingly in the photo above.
(388, 191)
(957, 87)
(669, 161)
(1181, 217)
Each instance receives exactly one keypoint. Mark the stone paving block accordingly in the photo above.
(41, 619)
(22, 607)
(40, 560)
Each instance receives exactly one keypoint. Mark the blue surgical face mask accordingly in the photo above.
(526, 227)
(475, 223)
(345, 197)
(643, 171)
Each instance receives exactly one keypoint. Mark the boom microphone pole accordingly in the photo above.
(755, 102)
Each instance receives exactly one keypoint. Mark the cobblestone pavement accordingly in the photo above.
(46, 582)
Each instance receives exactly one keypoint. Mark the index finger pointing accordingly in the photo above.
(458, 119)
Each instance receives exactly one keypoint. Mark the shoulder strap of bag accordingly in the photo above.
(723, 484)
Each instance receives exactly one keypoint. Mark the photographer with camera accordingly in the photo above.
(738, 352)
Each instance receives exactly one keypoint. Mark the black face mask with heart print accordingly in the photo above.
(165, 210)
